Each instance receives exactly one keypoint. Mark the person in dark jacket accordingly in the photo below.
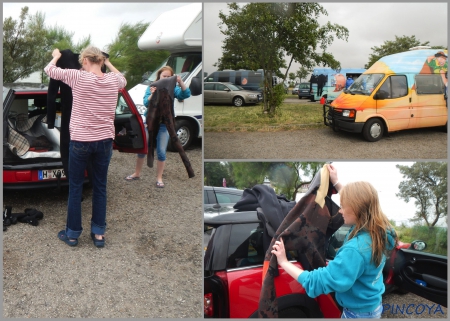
(349, 82)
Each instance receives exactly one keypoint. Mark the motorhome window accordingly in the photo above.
(208, 86)
(429, 84)
(394, 87)
(182, 64)
(224, 76)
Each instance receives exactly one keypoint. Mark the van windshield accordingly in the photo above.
(365, 84)
(181, 63)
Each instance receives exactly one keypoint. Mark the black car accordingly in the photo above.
(31, 151)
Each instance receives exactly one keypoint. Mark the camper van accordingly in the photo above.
(180, 32)
(401, 91)
(330, 82)
(247, 79)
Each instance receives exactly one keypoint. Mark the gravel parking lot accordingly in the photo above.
(151, 266)
(324, 143)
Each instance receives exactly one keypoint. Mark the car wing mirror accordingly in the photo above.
(380, 95)
(418, 245)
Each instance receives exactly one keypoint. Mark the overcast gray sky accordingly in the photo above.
(369, 25)
(385, 177)
(100, 20)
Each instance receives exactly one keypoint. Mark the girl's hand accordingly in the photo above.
(152, 90)
(279, 251)
(56, 53)
(179, 79)
(333, 173)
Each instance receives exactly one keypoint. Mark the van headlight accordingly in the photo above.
(348, 113)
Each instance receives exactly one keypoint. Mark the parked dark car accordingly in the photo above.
(228, 93)
(31, 151)
(233, 267)
(305, 90)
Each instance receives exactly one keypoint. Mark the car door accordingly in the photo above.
(222, 93)
(423, 274)
(130, 133)
(208, 93)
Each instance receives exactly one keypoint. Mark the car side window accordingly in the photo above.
(220, 87)
(227, 198)
(208, 86)
(246, 246)
(122, 106)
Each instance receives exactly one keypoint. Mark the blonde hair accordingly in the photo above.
(362, 198)
(158, 74)
(94, 55)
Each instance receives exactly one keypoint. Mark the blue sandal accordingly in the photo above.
(63, 237)
(97, 242)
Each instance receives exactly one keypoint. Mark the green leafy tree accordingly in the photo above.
(302, 72)
(426, 183)
(59, 37)
(284, 29)
(215, 172)
(286, 177)
(391, 47)
(22, 42)
(126, 55)
(292, 77)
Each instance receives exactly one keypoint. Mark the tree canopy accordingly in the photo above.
(284, 29)
(426, 183)
(390, 47)
(28, 44)
(22, 40)
(285, 177)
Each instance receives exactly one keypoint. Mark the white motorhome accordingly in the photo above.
(180, 32)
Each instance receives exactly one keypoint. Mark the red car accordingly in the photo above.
(233, 263)
(36, 167)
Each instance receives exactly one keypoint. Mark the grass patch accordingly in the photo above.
(290, 116)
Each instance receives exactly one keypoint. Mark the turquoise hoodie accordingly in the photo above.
(356, 281)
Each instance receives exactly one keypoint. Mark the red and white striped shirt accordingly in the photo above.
(94, 102)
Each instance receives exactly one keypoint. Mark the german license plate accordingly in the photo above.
(51, 174)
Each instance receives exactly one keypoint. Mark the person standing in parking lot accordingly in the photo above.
(355, 274)
(181, 92)
(91, 135)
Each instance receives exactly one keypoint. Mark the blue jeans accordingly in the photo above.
(375, 314)
(162, 140)
(99, 154)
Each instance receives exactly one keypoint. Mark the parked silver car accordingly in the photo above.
(295, 89)
(228, 93)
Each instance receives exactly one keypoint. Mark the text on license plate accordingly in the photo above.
(51, 174)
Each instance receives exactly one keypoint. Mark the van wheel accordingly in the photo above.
(238, 101)
(185, 134)
(373, 130)
(293, 312)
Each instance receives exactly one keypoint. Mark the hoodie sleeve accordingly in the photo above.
(338, 276)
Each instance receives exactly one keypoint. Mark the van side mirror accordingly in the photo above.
(380, 95)
(196, 86)
(145, 76)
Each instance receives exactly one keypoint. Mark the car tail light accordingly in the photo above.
(208, 305)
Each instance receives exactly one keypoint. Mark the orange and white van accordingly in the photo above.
(400, 91)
